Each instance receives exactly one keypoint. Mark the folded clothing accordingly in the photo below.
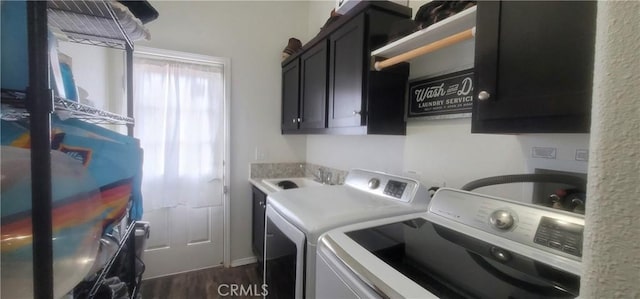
(141, 10)
(132, 25)
(436, 11)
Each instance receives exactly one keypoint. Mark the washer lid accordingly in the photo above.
(402, 254)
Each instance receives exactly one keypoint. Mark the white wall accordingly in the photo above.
(100, 72)
(439, 152)
(319, 12)
(90, 70)
(253, 35)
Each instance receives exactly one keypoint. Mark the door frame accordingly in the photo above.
(226, 177)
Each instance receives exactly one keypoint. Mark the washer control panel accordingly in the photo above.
(553, 231)
(395, 188)
(560, 235)
(389, 187)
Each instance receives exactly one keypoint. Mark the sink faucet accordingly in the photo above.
(323, 176)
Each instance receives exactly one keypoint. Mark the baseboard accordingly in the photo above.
(244, 261)
(181, 272)
(234, 263)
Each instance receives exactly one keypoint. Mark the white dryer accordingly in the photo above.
(296, 218)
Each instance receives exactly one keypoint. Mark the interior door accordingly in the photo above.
(183, 239)
(182, 121)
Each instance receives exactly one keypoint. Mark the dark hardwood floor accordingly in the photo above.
(208, 283)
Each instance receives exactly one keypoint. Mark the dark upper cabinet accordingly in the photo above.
(304, 91)
(338, 91)
(313, 86)
(533, 66)
(346, 75)
(290, 96)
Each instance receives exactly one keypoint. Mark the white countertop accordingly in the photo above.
(262, 186)
(269, 185)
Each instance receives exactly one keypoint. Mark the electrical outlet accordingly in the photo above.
(582, 155)
(544, 152)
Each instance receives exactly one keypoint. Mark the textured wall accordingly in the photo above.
(612, 241)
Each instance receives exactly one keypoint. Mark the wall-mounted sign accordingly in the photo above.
(448, 94)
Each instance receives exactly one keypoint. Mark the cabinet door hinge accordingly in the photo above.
(225, 190)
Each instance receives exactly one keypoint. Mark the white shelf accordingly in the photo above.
(459, 22)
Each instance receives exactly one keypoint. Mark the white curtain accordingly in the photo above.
(179, 119)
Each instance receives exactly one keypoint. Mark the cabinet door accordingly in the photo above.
(259, 200)
(290, 96)
(313, 85)
(346, 75)
(533, 64)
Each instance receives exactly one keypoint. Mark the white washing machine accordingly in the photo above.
(466, 245)
(295, 219)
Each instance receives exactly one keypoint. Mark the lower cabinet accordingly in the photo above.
(259, 200)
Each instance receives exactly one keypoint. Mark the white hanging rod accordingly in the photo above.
(432, 47)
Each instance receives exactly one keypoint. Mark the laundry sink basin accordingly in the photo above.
(290, 183)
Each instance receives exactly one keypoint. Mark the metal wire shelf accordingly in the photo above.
(13, 108)
(92, 22)
(94, 41)
(88, 22)
(89, 113)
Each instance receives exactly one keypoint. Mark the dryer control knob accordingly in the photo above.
(501, 219)
(374, 183)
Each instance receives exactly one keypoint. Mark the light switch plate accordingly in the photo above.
(261, 154)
